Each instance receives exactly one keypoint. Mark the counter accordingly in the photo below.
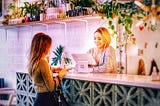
(97, 89)
(132, 80)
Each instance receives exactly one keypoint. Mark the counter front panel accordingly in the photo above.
(80, 92)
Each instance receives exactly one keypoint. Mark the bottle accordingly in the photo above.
(154, 74)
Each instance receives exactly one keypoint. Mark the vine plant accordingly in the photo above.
(124, 14)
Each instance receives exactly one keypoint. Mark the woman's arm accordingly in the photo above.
(107, 62)
(47, 75)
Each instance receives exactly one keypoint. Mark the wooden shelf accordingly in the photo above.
(58, 20)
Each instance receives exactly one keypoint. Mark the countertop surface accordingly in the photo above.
(124, 79)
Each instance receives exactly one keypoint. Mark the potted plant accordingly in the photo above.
(60, 57)
(26, 12)
(85, 5)
(35, 11)
(82, 3)
(31, 11)
(11, 9)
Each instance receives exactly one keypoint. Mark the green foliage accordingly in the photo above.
(26, 8)
(67, 60)
(124, 13)
(75, 2)
(13, 10)
(35, 9)
(86, 3)
(32, 8)
(43, 2)
(82, 3)
(58, 56)
(11, 6)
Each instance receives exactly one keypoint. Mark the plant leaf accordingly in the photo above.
(58, 54)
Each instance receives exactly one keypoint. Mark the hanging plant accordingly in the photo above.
(126, 12)
(123, 12)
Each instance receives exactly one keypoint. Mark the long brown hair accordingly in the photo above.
(39, 46)
(106, 37)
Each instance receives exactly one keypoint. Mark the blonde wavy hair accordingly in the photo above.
(106, 37)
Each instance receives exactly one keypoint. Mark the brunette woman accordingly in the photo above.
(40, 72)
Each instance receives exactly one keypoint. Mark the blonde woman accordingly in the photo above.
(40, 72)
(103, 53)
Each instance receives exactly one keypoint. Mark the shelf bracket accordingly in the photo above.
(86, 23)
(65, 30)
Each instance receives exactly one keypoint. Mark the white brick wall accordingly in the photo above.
(15, 43)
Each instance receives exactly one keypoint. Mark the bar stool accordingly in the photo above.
(12, 94)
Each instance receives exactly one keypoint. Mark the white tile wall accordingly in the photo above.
(14, 44)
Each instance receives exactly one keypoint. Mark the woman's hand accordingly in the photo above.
(58, 69)
(62, 73)
(91, 66)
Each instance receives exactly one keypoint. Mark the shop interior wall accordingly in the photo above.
(14, 45)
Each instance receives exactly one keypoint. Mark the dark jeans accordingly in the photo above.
(44, 99)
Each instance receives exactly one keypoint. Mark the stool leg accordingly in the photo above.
(11, 99)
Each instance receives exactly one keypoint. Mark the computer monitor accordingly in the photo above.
(84, 57)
